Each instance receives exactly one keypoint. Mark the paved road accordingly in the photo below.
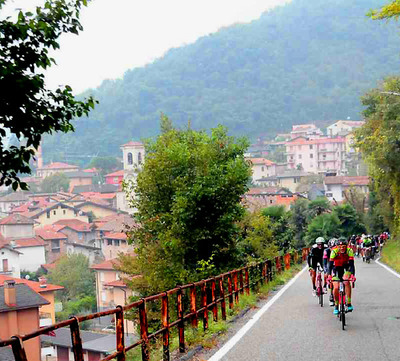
(296, 328)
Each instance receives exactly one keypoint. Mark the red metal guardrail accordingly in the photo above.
(213, 292)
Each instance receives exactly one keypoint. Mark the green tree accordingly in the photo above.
(258, 239)
(317, 207)
(280, 224)
(28, 108)
(55, 183)
(326, 225)
(350, 222)
(379, 143)
(299, 220)
(73, 273)
(188, 198)
(105, 164)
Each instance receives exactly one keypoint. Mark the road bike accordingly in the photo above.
(342, 301)
(320, 290)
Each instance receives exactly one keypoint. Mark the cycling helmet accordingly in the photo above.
(341, 241)
(319, 240)
(332, 242)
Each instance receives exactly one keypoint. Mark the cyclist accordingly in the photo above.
(367, 248)
(341, 266)
(316, 256)
(327, 255)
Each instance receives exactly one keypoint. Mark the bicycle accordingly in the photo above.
(342, 301)
(320, 290)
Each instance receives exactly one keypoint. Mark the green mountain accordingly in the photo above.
(307, 61)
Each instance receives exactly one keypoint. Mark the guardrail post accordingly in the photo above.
(222, 296)
(235, 285)
(241, 281)
(265, 272)
(246, 277)
(204, 304)
(287, 261)
(193, 305)
(181, 324)
(120, 333)
(269, 270)
(214, 300)
(76, 340)
(230, 294)
(165, 324)
(18, 349)
(144, 331)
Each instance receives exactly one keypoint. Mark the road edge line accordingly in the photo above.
(387, 268)
(232, 341)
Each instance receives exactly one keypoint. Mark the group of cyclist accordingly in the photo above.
(336, 258)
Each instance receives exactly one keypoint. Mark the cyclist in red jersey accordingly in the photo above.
(341, 266)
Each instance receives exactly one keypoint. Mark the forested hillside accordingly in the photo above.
(308, 61)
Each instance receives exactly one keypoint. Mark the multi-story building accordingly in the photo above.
(335, 187)
(310, 131)
(343, 126)
(316, 155)
(262, 168)
(56, 167)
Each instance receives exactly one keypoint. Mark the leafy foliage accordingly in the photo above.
(105, 164)
(326, 225)
(317, 207)
(389, 11)
(188, 200)
(257, 79)
(73, 273)
(28, 108)
(299, 220)
(55, 183)
(379, 142)
(350, 222)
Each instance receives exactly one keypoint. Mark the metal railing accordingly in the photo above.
(213, 293)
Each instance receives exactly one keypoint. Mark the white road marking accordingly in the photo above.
(232, 342)
(387, 268)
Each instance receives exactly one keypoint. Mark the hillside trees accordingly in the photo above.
(28, 108)
(188, 200)
(379, 142)
(55, 183)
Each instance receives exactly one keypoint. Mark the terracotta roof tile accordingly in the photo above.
(32, 284)
(59, 165)
(348, 181)
(119, 173)
(262, 161)
(48, 234)
(74, 224)
(116, 235)
(106, 265)
(16, 219)
(132, 143)
(27, 242)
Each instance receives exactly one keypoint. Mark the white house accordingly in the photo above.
(335, 187)
(262, 168)
(18, 233)
(343, 126)
(9, 260)
(9, 201)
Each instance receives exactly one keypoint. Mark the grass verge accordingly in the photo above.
(197, 337)
(391, 254)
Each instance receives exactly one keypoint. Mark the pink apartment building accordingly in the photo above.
(316, 155)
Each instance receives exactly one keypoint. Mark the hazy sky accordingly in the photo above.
(123, 34)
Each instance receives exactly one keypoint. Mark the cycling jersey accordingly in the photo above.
(340, 262)
(316, 256)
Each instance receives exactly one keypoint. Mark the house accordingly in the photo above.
(76, 230)
(99, 208)
(9, 259)
(258, 198)
(56, 212)
(335, 187)
(55, 242)
(47, 313)
(56, 167)
(114, 224)
(310, 131)
(291, 179)
(12, 200)
(343, 126)
(114, 243)
(267, 181)
(316, 155)
(91, 252)
(95, 346)
(110, 289)
(98, 188)
(115, 177)
(79, 178)
(18, 232)
(262, 167)
(19, 315)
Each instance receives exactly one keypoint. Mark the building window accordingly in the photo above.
(80, 235)
(109, 242)
(262, 169)
(116, 242)
(54, 212)
(299, 156)
(311, 155)
(311, 146)
(139, 158)
(64, 211)
(55, 245)
(130, 158)
(48, 214)
(103, 296)
(102, 276)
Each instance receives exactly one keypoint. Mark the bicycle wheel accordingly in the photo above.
(321, 297)
(343, 311)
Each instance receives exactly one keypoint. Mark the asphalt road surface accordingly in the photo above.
(296, 328)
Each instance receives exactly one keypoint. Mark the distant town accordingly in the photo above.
(92, 219)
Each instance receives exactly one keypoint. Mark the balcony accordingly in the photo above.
(45, 319)
(327, 151)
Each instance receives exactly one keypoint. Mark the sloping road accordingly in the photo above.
(296, 328)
